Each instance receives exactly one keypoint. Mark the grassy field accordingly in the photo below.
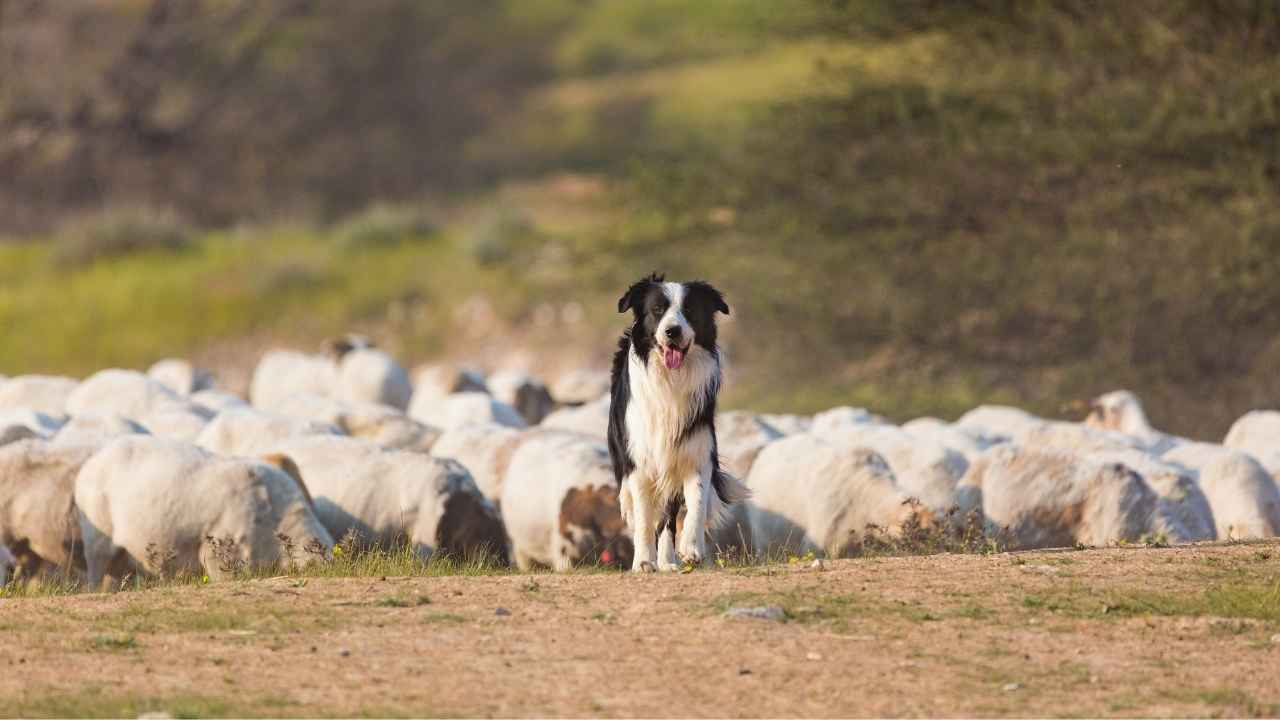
(1187, 631)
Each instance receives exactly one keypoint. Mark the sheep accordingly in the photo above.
(840, 418)
(181, 376)
(369, 375)
(40, 424)
(965, 440)
(1182, 511)
(560, 503)
(1121, 411)
(1073, 438)
(809, 494)
(1034, 498)
(432, 384)
(282, 374)
(248, 432)
(787, 424)
(216, 401)
(581, 386)
(528, 395)
(96, 429)
(381, 424)
(42, 393)
(1243, 497)
(386, 497)
(177, 423)
(591, 419)
(459, 409)
(740, 437)
(996, 423)
(37, 519)
(130, 394)
(156, 506)
(923, 469)
(1258, 433)
(7, 564)
(485, 450)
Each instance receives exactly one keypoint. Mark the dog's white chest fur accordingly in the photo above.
(663, 404)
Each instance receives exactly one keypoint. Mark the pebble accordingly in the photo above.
(344, 652)
(502, 612)
(763, 612)
(812, 656)
(1012, 687)
(744, 671)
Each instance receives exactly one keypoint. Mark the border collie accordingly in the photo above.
(662, 431)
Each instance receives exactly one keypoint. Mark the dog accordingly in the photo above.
(662, 422)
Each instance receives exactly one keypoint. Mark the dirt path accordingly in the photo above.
(1186, 631)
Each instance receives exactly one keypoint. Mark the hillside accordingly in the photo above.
(916, 208)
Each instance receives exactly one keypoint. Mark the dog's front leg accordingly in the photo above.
(644, 518)
(667, 560)
(693, 536)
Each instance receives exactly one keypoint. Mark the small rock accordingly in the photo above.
(812, 656)
(1275, 639)
(313, 648)
(763, 612)
(1093, 679)
(817, 564)
(502, 612)
(344, 652)
(1011, 687)
(744, 671)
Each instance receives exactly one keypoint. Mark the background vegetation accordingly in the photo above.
(917, 206)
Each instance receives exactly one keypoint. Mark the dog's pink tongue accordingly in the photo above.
(673, 357)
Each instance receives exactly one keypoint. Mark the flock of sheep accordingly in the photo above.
(154, 473)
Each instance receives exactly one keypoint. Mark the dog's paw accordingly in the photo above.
(644, 567)
(692, 557)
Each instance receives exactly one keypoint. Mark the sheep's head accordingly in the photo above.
(1120, 411)
(591, 521)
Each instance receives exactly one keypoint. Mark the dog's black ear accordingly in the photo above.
(634, 294)
(709, 294)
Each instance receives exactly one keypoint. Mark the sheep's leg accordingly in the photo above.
(693, 536)
(645, 523)
(560, 549)
(98, 555)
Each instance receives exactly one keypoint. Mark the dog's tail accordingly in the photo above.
(728, 490)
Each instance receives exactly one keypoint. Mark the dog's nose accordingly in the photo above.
(673, 332)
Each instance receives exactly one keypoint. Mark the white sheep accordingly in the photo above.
(248, 432)
(808, 494)
(840, 418)
(1034, 498)
(42, 393)
(282, 374)
(96, 429)
(581, 386)
(996, 423)
(560, 503)
(1182, 512)
(181, 376)
(591, 419)
(156, 506)
(740, 436)
(458, 409)
(386, 497)
(1121, 411)
(1074, 438)
(129, 394)
(527, 394)
(369, 375)
(381, 424)
(965, 440)
(37, 482)
(787, 424)
(1258, 433)
(1242, 495)
(215, 401)
(924, 469)
(485, 450)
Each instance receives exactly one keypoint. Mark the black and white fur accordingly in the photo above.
(662, 433)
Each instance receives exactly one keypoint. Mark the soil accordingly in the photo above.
(1128, 631)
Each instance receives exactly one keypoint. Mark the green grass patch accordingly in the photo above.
(115, 642)
(1252, 600)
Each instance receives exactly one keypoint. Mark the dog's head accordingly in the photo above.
(670, 317)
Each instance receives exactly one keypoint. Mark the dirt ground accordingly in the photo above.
(1168, 632)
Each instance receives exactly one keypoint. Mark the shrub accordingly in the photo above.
(383, 225)
(119, 232)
